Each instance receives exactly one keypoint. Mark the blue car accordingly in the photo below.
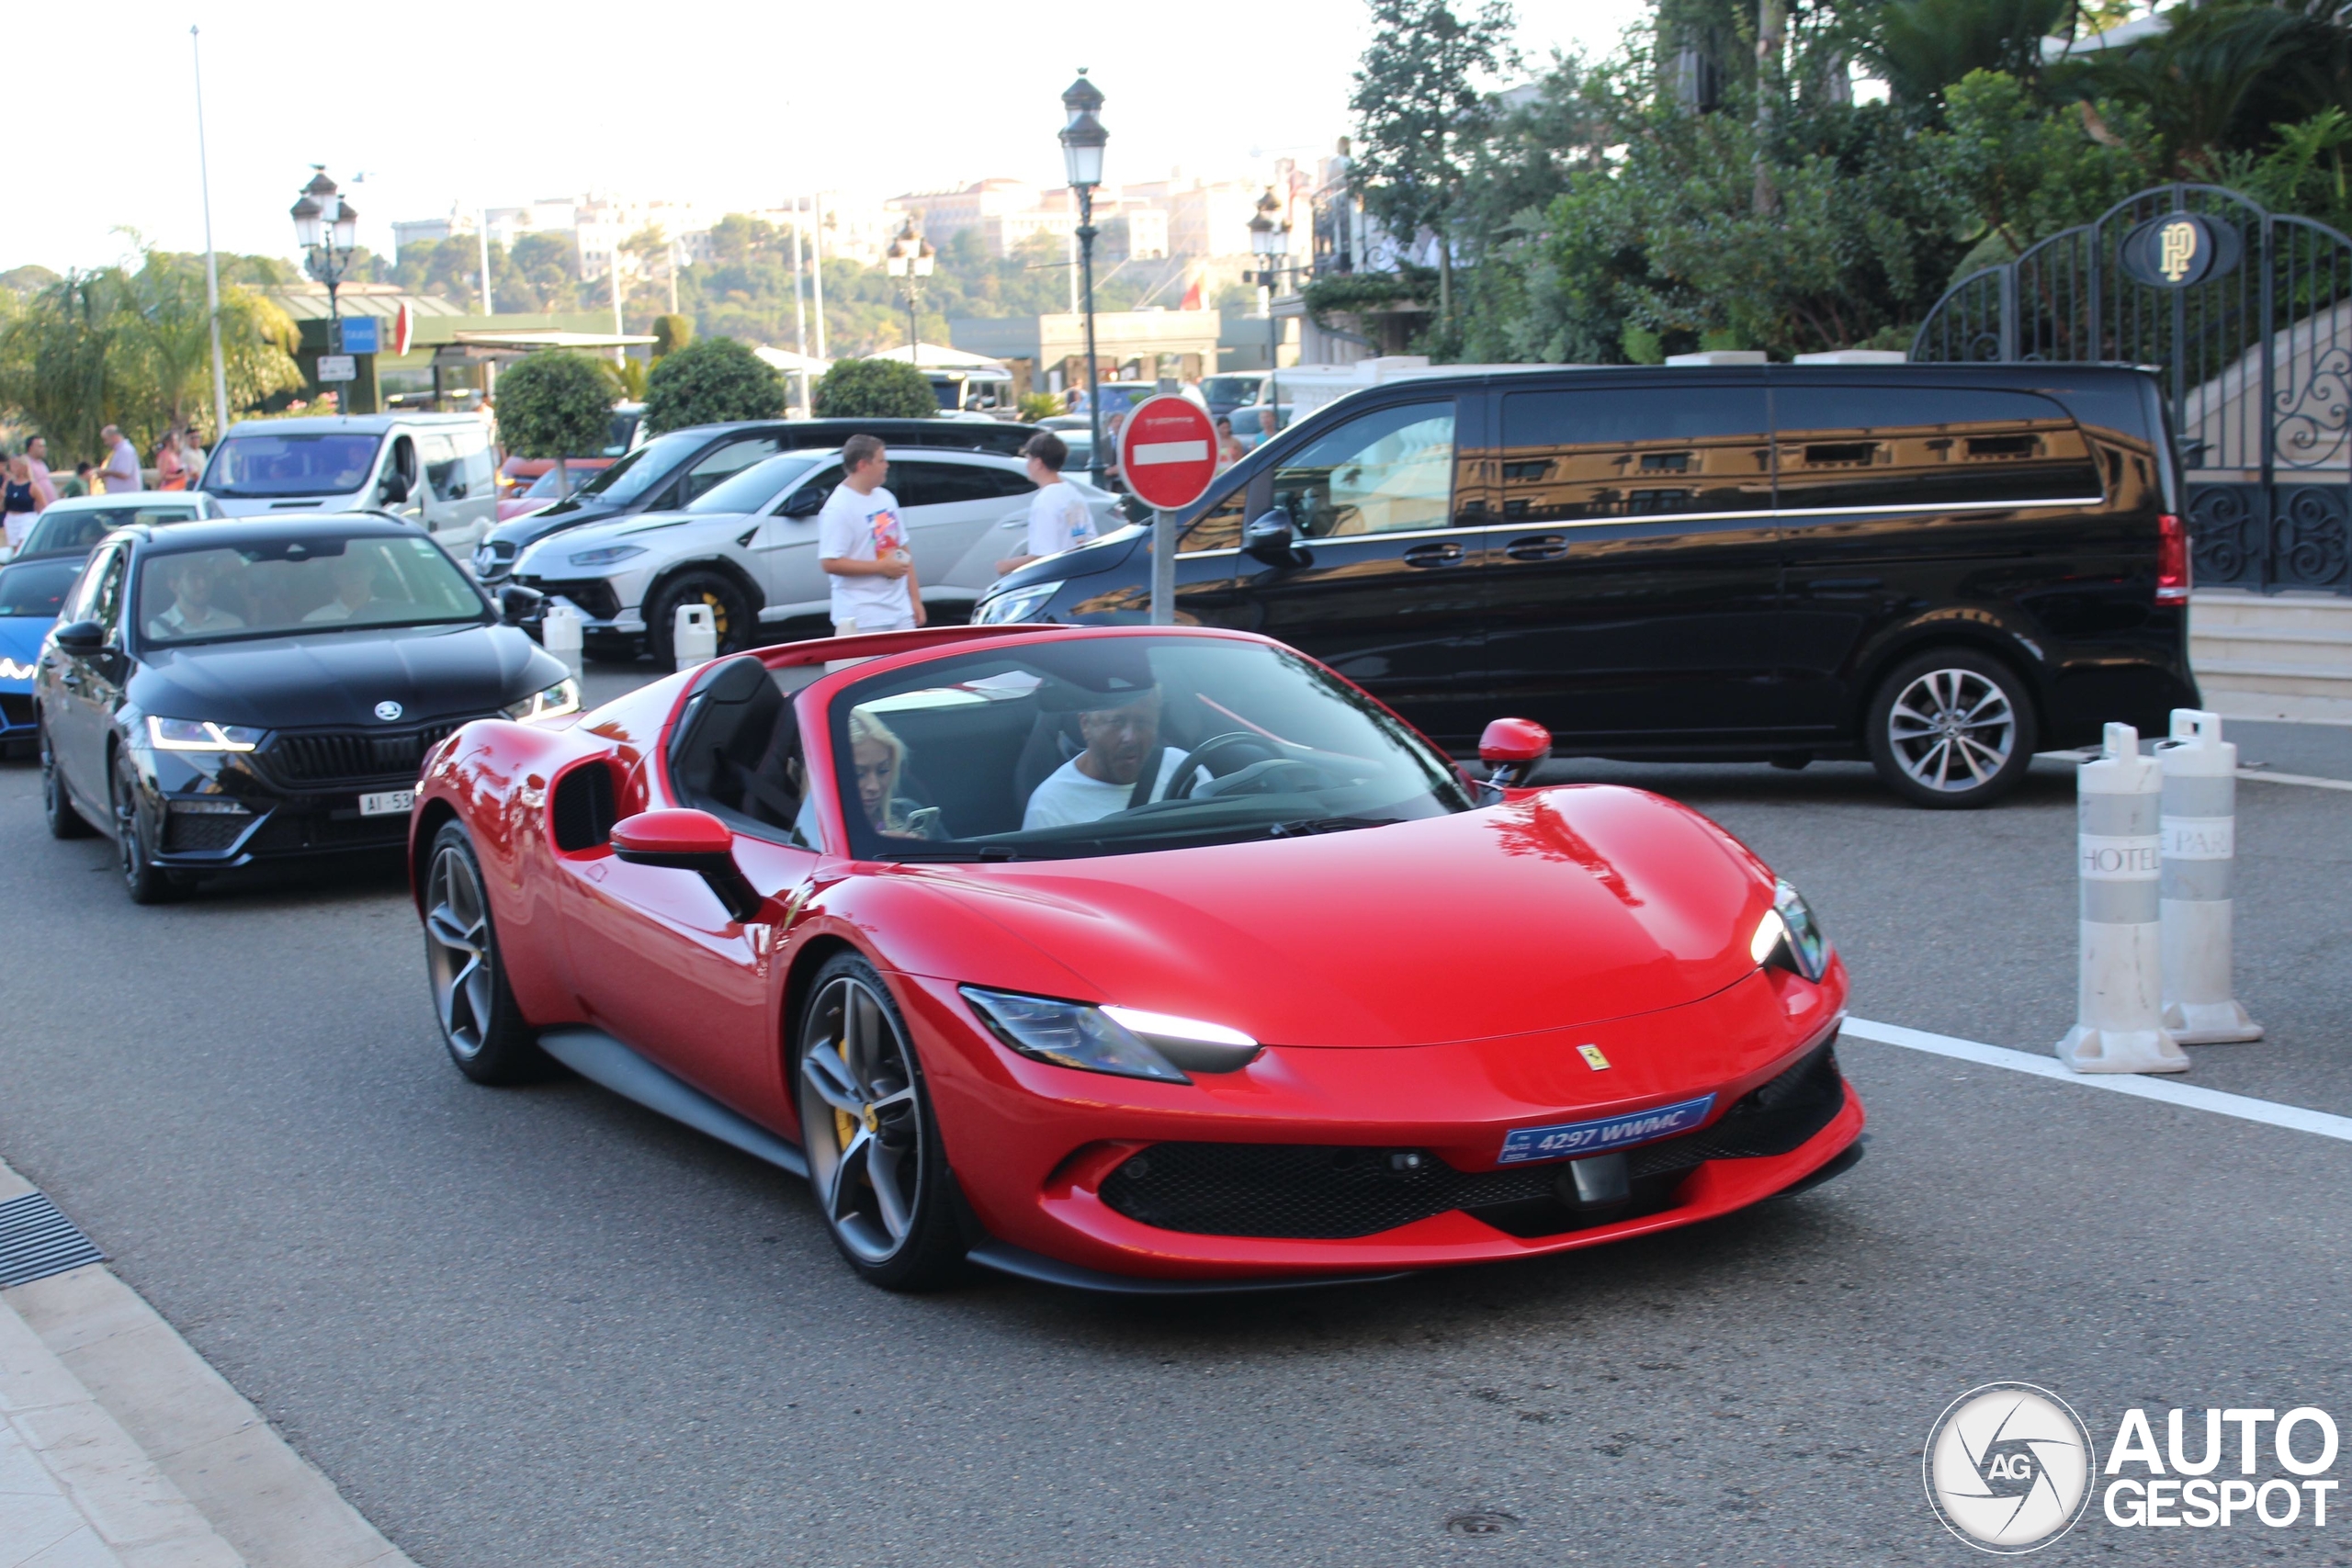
(31, 593)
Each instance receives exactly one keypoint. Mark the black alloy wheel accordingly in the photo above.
(874, 1157)
(1951, 730)
(731, 615)
(146, 882)
(64, 820)
(482, 1024)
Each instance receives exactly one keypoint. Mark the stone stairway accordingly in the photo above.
(2273, 656)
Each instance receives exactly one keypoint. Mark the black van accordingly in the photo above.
(1943, 568)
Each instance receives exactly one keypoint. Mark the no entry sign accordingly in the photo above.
(1168, 451)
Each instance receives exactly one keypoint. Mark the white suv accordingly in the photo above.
(748, 546)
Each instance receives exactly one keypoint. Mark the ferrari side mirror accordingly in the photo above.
(1511, 748)
(1271, 537)
(689, 841)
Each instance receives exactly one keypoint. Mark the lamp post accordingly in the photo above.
(1083, 139)
(327, 228)
(1270, 242)
(909, 260)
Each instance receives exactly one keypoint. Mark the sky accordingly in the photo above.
(497, 102)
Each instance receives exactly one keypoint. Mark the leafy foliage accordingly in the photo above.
(555, 404)
(710, 381)
(875, 389)
(672, 334)
(1036, 406)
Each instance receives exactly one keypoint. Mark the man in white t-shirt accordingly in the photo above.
(1059, 519)
(121, 472)
(1121, 741)
(861, 546)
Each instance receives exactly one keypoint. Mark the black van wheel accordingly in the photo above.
(732, 617)
(1951, 730)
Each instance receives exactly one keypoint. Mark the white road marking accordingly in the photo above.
(2169, 1091)
(2263, 776)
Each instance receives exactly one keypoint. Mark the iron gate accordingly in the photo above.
(2248, 315)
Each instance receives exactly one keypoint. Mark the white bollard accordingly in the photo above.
(560, 634)
(694, 635)
(2119, 1025)
(2200, 772)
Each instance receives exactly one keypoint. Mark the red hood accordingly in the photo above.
(1562, 908)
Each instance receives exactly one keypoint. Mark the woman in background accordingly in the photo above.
(171, 469)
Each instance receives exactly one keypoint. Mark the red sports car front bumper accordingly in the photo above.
(1034, 1144)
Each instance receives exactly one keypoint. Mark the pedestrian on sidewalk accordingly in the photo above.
(79, 485)
(1230, 450)
(44, 487)
(861, 546)
(171, 469)
(17, 507)
(120, 475)
(1059, 519)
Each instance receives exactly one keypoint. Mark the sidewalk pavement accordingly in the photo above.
(120, 1448)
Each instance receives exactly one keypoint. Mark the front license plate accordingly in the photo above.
(389, 803)
(1523, 1145)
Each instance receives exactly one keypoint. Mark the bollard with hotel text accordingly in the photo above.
(2119, 1025)
(2199, 863)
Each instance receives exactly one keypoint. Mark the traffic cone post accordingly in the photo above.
(2120, 1021)
(2199, 831)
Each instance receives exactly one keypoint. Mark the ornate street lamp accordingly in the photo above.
(1270, 242)
(1083, 139)
(909, 260)
(327, 228)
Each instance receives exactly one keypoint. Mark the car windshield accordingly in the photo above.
(37, 588)
(1231, 388)
(1113, 745)
(80, 528)
(294, 587)
(638, 472)
(266, 463)
(757, 485)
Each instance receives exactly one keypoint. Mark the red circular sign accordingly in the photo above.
(1168, 451)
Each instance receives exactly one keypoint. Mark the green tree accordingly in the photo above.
(557, 405)
(875, 389)
(1420, 117)
(708, 381)
(55, 359)
(672, 334)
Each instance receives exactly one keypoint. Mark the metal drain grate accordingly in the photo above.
(37, 1240)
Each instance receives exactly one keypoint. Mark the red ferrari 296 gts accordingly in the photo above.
(1132, 958)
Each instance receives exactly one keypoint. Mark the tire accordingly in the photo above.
(64, 820)
(482, 1025)
(876, 1163)
(1951, 730)
(729, 607)
(146, 882)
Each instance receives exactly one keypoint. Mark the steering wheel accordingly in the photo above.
(1266, 778)
(1181, 786)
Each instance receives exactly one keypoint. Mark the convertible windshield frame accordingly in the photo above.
(1264, 743)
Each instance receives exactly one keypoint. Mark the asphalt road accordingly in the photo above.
(541, 1326)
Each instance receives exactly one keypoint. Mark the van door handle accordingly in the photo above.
(1537, 546)
(1447, 554)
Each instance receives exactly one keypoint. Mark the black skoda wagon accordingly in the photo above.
(1942, 568)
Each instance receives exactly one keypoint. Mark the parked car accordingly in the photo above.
(220, 693)
(672, 470)
(1942, 568)
(525, 484)
(884, 927)
(434, 469)
(1225, 394)
(31, 594)
(73, 526)
(748, 547)
(548, 487)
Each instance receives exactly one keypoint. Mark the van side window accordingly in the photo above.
(1863, 447)
(1385, 472)
(442, 474)
(477, 468)
(1634, 452)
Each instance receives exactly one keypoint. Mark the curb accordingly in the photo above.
(165, 1429)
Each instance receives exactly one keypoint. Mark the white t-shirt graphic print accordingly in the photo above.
(864, 527)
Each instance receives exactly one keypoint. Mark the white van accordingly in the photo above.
(435, 468)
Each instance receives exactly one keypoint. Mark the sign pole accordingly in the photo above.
(1163, 568)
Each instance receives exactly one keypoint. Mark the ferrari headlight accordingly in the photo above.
(1122, 1040)
(1017, 605)
(199, 735)
(555, 701)
(1790, 937)
(611, 555)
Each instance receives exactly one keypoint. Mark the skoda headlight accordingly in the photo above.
(611, 555)
(1016, 605)
(1123, 1040)
(555, 701)
(1790, 937)
(199, 735)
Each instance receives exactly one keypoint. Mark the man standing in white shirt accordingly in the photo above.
(1059, 519)
(861, 546)
(121, 472)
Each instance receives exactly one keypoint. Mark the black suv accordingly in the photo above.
(1942, 568)
(673, 467)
